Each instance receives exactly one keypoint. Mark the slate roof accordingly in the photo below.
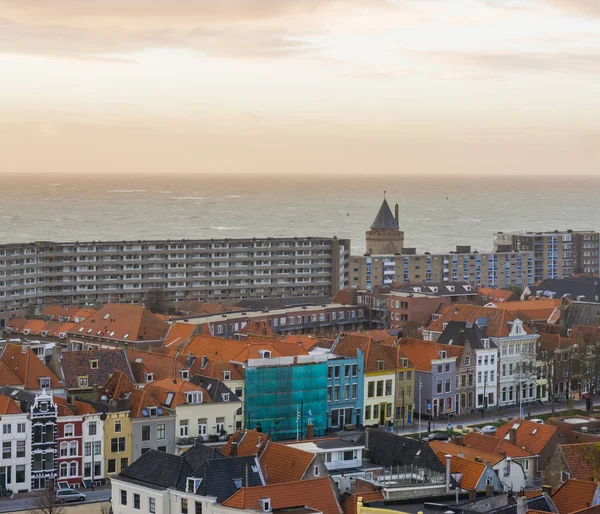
(533, 437)
(77, 363)
(459, 332)
(587, 287)
(542, 503)
(220, 477)
(583, 460)
(215, 387)
(387, 449)
(316, 494)
(438, 288)
(574, 495)
(580, 313)
(384, 218)
(281, 303)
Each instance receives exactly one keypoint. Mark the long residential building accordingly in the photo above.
(33, 275)
(558, 254)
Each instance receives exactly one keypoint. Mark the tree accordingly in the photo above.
(157, 301)
(46, 501)
(412, 330)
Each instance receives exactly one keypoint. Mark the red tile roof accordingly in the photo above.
(470, 470)
(491, 444)
(160, 389)
(421, 352)
(27, 367)
(495, 295)
(583, 460)
(160, 365)
(498, 320)
(120, 387)
(533, 437)
(316, 494)
(8, 406)
(122, 321)
(348, 344)
(15, 325)
(281, 463)
(574, 495)
(34, 327)
(249, 443)
(465, 452)
(179, 335)
(530, 309)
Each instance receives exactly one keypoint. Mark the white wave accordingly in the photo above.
(190, 198)
(222, 228)
(234, 196)
(127, 191)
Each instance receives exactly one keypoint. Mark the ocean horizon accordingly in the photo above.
(436, 213)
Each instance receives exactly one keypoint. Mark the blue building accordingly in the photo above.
(345, 390)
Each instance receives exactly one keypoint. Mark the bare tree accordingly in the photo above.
(157, 301)
(46, 502)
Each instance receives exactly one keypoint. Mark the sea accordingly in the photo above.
(436, 213)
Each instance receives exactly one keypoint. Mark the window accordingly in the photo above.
(69, 430)
(467, 360)
(439, 387)
(123, 497)
(239, 392)
(184, 506)
(367, 412)
(354, 391)
(375, 411)
(329, 393)
(44, 382)
(198, 507)
(112, 466)
(20, 449)
(439, 368)
(371, 390)
(63, 470)
(20, 474)
(73, 469)
(354, 370)
(6, 429)
(97, 447)
(400, 376)
(118, 425)
(92, 428)
(388, 387)
(136, 501)
(448, 385)
(447, 368)
(146, 433)
(226, 375)
(20, 428)
(124, 463)
(336, 393)
(183, 428)
(380, 365)
(6, 450)
(160, 431)
(409, 375)
(87, 449)
(117, 444)
(380, 388)
(82, 381)
(152, 505)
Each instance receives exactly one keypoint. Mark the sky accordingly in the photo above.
(425, 87)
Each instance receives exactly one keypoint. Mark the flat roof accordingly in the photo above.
(318, 445)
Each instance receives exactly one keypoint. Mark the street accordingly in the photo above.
(490, 417)
(26, 502)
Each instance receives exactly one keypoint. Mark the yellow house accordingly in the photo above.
(405, 384)
(118, 441)
(361, 509)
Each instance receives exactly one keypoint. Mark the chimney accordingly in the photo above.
(547, 489)
(233, 448)
(489, 490)
(397, 213)
(521, 505)
(310, 432)
(459, 440)
(366, 450)
(448, 472)
(472, 496)
(512, 435)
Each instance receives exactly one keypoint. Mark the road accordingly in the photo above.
(490, 417)
(25, 502)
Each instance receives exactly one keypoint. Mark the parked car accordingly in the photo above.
(437, 436)
(537, 420)
(69, 495)
(488, 429)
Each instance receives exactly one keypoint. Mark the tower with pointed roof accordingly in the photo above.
(385, 236)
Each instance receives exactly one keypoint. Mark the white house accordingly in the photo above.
(15, 433)
(93, 447)
(337, 453)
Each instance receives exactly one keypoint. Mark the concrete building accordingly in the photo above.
(33, 275)
(557, 254)
(498, 269)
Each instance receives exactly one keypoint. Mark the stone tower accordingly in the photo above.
(385, 236)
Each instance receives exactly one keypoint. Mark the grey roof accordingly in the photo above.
(281, 303)
(584, 288)
(384, 218)
(438, 289)
(457, 333)
(25, 397)
(388, 449)
(581, 313)
(221, 478)
(542, 503)
(215, 388)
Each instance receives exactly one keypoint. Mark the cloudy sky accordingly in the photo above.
(300, 86)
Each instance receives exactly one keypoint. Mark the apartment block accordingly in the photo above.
(498, 269)
(33, 275)
(558, 254)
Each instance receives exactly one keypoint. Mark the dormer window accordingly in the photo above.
(94, 364)
(152, 411)
(226, 375)
(169, 399)
(238, 483)
(225, 397)
(265, 354)
(185, 374)
(149, 377)
(265, 504)
(125, 336)
(193, 485)
(89, 330)
(44, 382)
(443, 354)
(380, 365)
(44, 333)
(194, 397)
(26, 332)
(82, 381)
(486, 343)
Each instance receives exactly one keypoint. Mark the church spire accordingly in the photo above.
(384, 218)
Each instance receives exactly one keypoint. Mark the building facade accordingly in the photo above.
(345, 381)
(44, 421)
(33, 275)
(15, 434)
